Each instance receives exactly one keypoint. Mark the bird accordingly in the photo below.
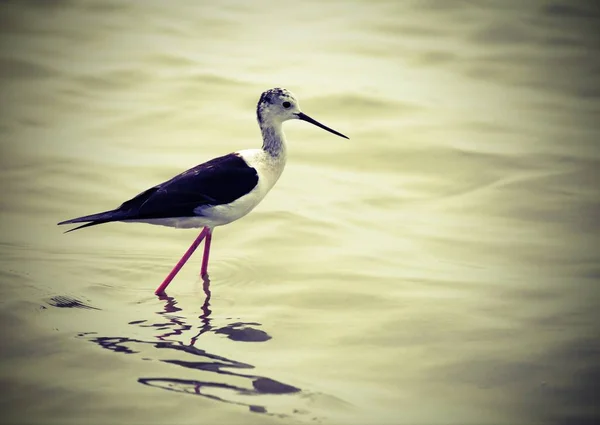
(216, 192)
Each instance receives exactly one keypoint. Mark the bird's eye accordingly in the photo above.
(286, 104)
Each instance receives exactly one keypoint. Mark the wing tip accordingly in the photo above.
(91, 220)
(91, 223)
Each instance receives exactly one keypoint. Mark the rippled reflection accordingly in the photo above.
(212, 376)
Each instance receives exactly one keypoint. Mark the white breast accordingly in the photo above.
(269, 170)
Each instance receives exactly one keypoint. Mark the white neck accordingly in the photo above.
(273, 139)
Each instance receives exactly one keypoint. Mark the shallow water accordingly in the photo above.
(441, 266)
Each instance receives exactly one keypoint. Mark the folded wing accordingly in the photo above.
(219, 181)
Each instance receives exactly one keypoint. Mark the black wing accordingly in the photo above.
(219, 181)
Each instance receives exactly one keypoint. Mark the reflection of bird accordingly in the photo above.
(219, 191)
(216, 371)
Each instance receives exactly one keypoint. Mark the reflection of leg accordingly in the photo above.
(181, 262)
(204, 270)
(207, 294)
(205, 316)
(206, 311)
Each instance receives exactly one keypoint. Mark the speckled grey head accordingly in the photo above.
(278, 105)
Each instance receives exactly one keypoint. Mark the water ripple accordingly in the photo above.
(63, 301)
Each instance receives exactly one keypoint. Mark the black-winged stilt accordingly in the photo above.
(219, 191)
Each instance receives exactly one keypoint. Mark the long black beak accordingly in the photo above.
(306, 118)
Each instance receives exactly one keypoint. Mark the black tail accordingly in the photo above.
(94, 219)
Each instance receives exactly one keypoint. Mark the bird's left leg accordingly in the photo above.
(204, 269)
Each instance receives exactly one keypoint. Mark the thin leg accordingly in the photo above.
(179, 265)
(204, 270)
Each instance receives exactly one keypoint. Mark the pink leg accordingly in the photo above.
(204, 270)
(179, 265)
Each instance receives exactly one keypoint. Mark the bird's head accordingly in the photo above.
(278, 105)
